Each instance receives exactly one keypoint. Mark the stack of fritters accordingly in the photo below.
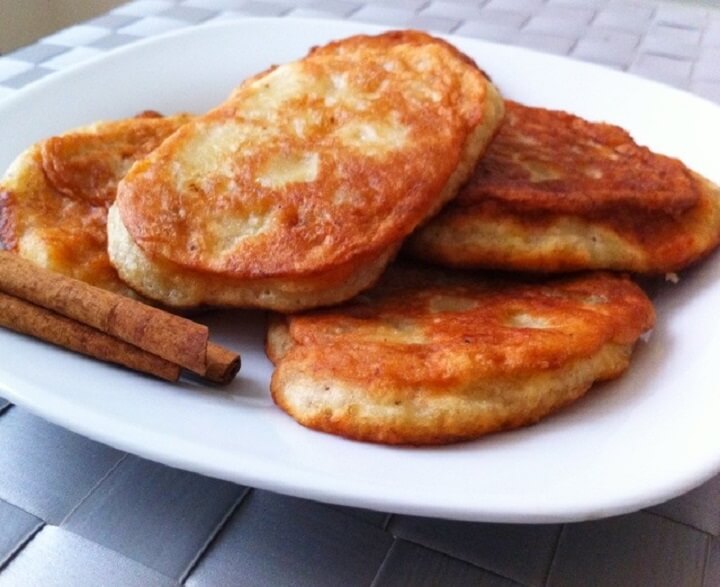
(300, 189)
(439, 358)
(295, 192)
(555, 193)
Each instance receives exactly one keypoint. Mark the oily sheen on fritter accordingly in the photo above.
(55, 196)
(299, 189)
(555, 192)
(428, 357)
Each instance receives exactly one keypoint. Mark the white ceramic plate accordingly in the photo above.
(640, 440)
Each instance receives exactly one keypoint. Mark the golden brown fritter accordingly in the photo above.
(430, 357)
(298, 189)
(558, 193)
(551, 161)
(55, 196)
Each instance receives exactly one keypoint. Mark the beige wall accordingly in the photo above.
(24, 21)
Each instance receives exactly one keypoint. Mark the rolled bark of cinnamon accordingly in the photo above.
(27, 318)
(169, 338)
(222, 364)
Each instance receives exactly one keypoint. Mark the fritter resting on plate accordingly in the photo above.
(555, 192)
(428, 357)
(55, 196)
(299, 189)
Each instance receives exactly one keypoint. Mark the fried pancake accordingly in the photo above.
(299, 188)
(557, 193)
(431, 358)
(55, 196)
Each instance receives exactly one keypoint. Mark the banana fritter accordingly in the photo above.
(55, 196)
(555, 192)
(430, 357)
(299, 188)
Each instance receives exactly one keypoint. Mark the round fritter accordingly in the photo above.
(551, 161)
(55, 196)
(430, 358)
(301, 186)
(557, 193)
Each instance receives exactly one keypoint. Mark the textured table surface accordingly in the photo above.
(75, 512)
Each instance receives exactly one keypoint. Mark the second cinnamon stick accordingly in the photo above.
(28, 318)
(166, 335)
(222, 364)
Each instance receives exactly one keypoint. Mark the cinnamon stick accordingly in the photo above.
(222, 364)
(172, 338)
(27, 318)
(166, 335)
